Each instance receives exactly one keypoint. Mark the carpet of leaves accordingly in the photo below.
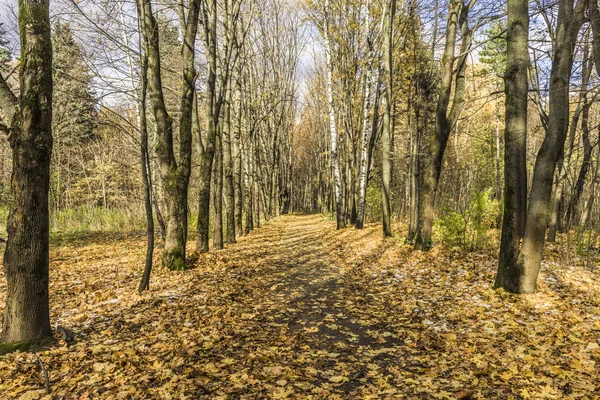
(300, 310)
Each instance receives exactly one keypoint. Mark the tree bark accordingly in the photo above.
(145, 162)
(341, 221)
(237, 166)
(444, 121)
(214, 102)
(515, 141)
(583, 171)
(569, 22)
(386, 169)
(26, 259)
(582, 107)
(218, 191)
(228, 171)
(175, 178)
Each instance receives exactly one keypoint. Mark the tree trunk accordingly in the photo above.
(175, 178)
(341, 222)
(213, 104)
(515, 140)
(145, 162)
(364, 154)
(228, 171)
(569, 21)
(444, 121)
(237, 167)
(583, 171)
(249, 184)
(218, 191)
(582, 107)
(26, 259)
(386, 169)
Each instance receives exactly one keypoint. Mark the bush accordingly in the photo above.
(469, 230)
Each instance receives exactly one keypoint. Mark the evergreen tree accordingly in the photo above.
(493, 51)
(73, 101)
(75, 115)
(5, 54)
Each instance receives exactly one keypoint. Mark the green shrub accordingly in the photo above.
(373, 210)
(469, 230)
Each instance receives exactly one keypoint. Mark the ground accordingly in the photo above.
(300, 310)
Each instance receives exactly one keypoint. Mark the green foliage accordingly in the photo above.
(373, 203)
(469, 230)
(5, 54)
(493, 52)
(73, 101)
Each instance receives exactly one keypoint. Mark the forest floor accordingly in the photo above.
(300, 310)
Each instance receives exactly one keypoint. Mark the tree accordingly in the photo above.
(445, 120)
(515, 141)
(5, 53)
(368, 125)
(217, 82)
(175, 173)
(341, 222)
(387, 120)
(28, 122)
(75, 116)
(569, 21)
(519, 275)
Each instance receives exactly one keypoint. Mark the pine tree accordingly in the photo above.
(75, 115)
(5, 53)
(73, 101)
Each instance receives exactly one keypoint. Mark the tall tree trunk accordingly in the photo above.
(218, 190)
(211, 117)
(587, 207)
(214, 101)
(569, 21)
(228, 171)
(386, 169)
(249, 184)
(585, 167)
(237, 166)
(175, 178)
(364, 154)
(29, 123)
(515, 141)
(582, 107)
(444, 121)
(140, 97)
(147, 183)
(341, 221)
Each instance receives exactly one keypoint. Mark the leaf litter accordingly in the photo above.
(300, 310)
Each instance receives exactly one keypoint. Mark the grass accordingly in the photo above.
(97, 219)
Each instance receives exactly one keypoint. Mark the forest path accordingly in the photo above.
(300, 310)
(321, 320)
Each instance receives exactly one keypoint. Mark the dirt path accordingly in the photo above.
(300, 294)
